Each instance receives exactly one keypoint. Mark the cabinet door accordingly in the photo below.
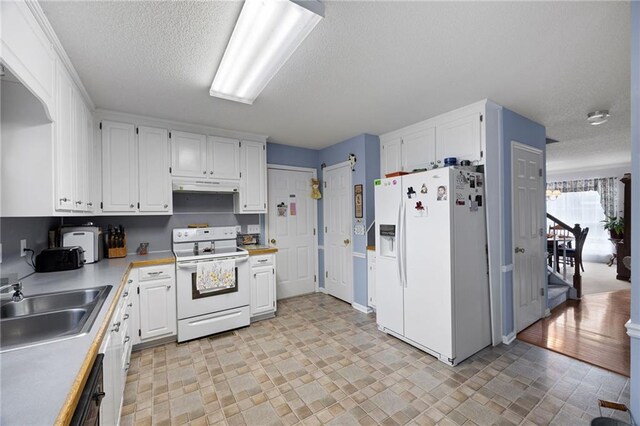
(263, 297)
(119, 167)
(65, 154)
(157, 309)
(188, 154)
(459, 138)
(253, 184)
(223, 158)
(155, 180)
(391, 156)
(81, 168)
(419, 150)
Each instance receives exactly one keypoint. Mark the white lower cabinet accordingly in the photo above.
(371, 278)
(263, 286)
(117, 352)
(156, 302)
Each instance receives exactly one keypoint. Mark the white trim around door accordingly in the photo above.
(314, 172)
(340, 240)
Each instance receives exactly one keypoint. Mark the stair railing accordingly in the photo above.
(576, 231)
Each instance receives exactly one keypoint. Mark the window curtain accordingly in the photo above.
(607, 188)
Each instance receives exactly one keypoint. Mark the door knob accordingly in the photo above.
(519, 250)
(273, 241)
(346, 242)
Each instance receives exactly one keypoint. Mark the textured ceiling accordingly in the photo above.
(369, 67)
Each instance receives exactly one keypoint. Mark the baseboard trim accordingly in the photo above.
(509, 338)
(633, 330)
(547, 313)
(363, 309)
(322, 290)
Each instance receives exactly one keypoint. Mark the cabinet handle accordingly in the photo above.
(255, 275)
(262, 260)
(166, 206)
(211, 172)
(130, 304)
(126, 339)
(154, 273)
(127, 367)
(129, 281)
(126, 293)
(126, 317)
(78, 202)
(169, 286)
(245, 206)
(65, 199)
(116, 327)
(130, 206)
(89, 204)
(204, 173)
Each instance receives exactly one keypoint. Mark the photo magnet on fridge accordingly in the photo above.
(442, 193)
(472, 181)
(423, 189)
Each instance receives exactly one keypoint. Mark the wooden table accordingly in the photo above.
(553, 248)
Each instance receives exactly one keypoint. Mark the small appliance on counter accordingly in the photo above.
(60, 259)
(87, 237)
(248, 239)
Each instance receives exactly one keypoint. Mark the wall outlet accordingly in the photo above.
(253, 229)
(23, 245)
(238, 229)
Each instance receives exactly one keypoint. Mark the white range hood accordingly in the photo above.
(210, 186)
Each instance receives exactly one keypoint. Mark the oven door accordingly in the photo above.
(192, 302)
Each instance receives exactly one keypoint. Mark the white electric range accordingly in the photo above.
(201, 313)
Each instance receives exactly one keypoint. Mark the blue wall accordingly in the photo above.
(367, 151)
(520, 129)
(635, 196)
(286, 155)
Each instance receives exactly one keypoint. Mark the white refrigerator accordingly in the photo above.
(432, 285)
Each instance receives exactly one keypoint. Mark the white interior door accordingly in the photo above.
(292, 230)
(338, 210)
(528, 256)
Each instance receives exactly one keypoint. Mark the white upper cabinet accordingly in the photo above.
(188, 154)
(119, 167)
(391, 156)
(253, 184)
(155, 180)
(223, 158)
(418, 150)
(65, 143)
(459, 137)
(456, 134)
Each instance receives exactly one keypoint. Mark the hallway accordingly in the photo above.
(592, 330)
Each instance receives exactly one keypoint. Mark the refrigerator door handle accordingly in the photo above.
(403, 261)
(399, 243)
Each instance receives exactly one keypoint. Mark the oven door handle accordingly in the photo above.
(193, 263)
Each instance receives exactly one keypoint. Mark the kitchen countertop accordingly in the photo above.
(40, 384)
(255, 249)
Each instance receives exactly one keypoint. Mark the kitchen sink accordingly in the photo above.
(49, 302)
(49, 317)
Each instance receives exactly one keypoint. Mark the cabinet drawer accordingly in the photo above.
(264, 260)
(156, 272)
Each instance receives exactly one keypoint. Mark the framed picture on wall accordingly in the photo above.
(357, 200)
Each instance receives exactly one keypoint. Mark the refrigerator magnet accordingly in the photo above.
(282, 209)
(442, 193)
(424, 189)
(472, 181)
(461, 181)
(460, 199)
(420, 210)
(473, 206)
(479, 181)
(410, 192)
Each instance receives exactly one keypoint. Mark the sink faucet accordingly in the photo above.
(17, 294)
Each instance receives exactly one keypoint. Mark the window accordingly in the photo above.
(584, 208)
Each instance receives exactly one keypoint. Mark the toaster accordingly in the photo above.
(87, 237)
(60, 259)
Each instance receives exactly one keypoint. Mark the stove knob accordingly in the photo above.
(179, 234)
(186, 234)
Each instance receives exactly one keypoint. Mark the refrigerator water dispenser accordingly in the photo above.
(388, 240)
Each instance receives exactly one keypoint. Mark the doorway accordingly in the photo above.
(338, 211)
(527, 202)
(291, 226)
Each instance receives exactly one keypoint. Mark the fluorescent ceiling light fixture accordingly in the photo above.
(598, 117)
(266, 35)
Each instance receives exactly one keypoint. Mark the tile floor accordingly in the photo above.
(322, 362)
